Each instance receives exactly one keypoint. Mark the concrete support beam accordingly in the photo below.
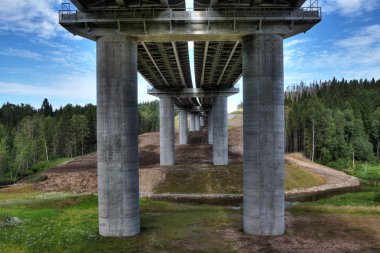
(117, 135)
(197, 125)
(182, 127)
(201, 121)
(167, 151)
(220, 131)
(192, 122)
(210, 127)
(263, 98)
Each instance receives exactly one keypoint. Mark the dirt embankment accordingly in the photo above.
(80, 175)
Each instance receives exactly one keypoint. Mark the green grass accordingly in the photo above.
(229, 180)
(239, 111)
(367, 201)
(70, 224)
(297, 177)
(32, 175)
(361, 170)
(45, 165)
(214, 179)
(367, 171)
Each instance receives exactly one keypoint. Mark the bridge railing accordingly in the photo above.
(166, 14)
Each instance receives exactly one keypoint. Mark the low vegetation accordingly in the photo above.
(229, 180)
(32, 140)
(365, 201)
(69, 223)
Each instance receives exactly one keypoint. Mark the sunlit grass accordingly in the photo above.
(297, 177)
(71, 225)
(229, 180)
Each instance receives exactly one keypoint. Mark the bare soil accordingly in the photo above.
(312, 233)
(305, 232)
(80, 175)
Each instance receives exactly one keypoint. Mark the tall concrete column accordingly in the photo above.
(210, 126)
(263, 99)
(192, 122)
(201, 121)
(182, 127)
(167, 151)
(117, 136)
(220, 131)
(197, 125)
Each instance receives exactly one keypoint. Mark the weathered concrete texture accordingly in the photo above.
(192, 122)
(263, 98)
(182, 127)
(220, 131)
(201, 121)
(210, 126)
(117, 135)
(197, 125)
(167, 152)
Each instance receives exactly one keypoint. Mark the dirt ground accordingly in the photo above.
(305, 232)
(80, 175)
(314, 233)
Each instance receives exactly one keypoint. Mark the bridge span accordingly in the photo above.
(232, 39)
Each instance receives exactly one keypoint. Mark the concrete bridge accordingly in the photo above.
(231, 39)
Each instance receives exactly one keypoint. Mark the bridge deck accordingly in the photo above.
(163, 28)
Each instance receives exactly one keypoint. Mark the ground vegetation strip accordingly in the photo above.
(32, 221)
(34, 138)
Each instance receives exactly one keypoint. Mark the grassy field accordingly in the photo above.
(367, 200)
(229, 180)
(32, 221)
(59, 222)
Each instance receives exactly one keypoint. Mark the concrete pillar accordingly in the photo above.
(197, 125)
(201, 121)
(182, 127)
(263, 99)
(167, 151)
(117, 136)
(210, 126)
(192, 122)
(220, 131)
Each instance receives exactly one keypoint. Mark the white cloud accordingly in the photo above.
(349, 7)
(30, 17)
(67, 87)
(20, 53)
(367, 36)
(356, 56)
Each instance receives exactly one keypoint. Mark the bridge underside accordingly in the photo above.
(232, 39)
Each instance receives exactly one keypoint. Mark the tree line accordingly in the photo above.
(334, 122)
(29, 135)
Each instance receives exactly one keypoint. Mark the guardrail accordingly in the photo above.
(172, 14)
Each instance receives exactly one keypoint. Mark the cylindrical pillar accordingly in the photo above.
(167, 151)
(182, 127)
(210, 126)
(197, 126)
(192, 122)
(201, 121)
(263, 99)
(220, 131)
(117, 136)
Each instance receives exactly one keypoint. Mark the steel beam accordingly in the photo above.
(204, 62)
(227, 63)
(178, 64)
(190, 93)
(155, 64)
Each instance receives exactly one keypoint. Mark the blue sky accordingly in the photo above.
(39, 59)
